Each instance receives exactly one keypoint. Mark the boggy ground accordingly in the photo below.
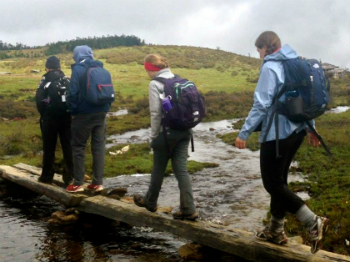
(231, 97)
(328, 179)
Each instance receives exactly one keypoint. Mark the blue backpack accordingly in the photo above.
(306, 90)
(99, 87)
(306, 95)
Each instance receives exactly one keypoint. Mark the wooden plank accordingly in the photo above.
(234, 241)
(57, 179)
(30, 181)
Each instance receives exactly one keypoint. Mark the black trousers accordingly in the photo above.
(274, 174)
(51, 128)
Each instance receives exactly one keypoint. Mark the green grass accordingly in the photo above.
(227, 81)
(328, 179)
(139, 160)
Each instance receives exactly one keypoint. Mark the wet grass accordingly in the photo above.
(139, 160)
(228, 86)
(328, 180)
(21, 140)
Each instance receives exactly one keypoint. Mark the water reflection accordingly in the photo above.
(26, 235)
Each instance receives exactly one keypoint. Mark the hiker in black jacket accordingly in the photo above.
(54, 120)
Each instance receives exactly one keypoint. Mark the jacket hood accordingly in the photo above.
(82, 52)
(285, 53)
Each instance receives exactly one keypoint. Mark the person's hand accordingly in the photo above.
(72, 117)
(313, 140)
(241, 144)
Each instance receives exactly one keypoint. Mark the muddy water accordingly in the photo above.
(26, 235)
(230, 194)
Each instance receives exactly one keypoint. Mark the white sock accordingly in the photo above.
(306, 216)
(276, 225)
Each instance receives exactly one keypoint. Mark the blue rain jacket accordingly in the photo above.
(83, 57)
(270, 81)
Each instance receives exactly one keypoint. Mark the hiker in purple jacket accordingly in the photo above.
(274, 171)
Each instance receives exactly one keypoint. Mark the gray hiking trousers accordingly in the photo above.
(178, 143)
(84, 125)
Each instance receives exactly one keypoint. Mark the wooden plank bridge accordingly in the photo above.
(234, 241)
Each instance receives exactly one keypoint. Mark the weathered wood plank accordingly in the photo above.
(30, 181)
(234, 241)
(57, 179)
(237, 242)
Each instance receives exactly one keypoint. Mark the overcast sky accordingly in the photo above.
(314, 28)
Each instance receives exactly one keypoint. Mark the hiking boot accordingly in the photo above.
(180, 215)
(317, 232)
(44, 180)
(96, 188)
(139, 201)
(279, 238)
(74, 189)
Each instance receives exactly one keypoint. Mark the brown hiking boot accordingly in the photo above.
(274, 237)
(139, 201)
(179, 215)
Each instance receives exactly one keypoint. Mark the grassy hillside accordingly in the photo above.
(215, 72)
(227, 81)
(209, 69)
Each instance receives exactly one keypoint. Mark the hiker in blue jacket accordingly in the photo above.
(177, 140)
(274, 171)
(87, 119)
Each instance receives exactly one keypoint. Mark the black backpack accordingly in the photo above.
(57, 91)
(306, 91)
(188, 105)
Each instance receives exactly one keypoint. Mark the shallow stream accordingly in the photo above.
(231, 194)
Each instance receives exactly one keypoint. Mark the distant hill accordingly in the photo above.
(186, 57)
(181, 57)
(94, 42)
(10, 51)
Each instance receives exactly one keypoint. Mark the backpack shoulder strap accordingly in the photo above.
(165, 81)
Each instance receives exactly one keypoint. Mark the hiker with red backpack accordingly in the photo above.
(176, 106)
(55, 120)
(290, 92)
(90, 96)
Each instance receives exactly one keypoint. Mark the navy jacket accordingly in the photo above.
(77, 89)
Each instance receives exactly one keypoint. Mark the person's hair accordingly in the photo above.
(157, 60)
(270, 40)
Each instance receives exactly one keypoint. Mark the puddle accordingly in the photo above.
(339, 109)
